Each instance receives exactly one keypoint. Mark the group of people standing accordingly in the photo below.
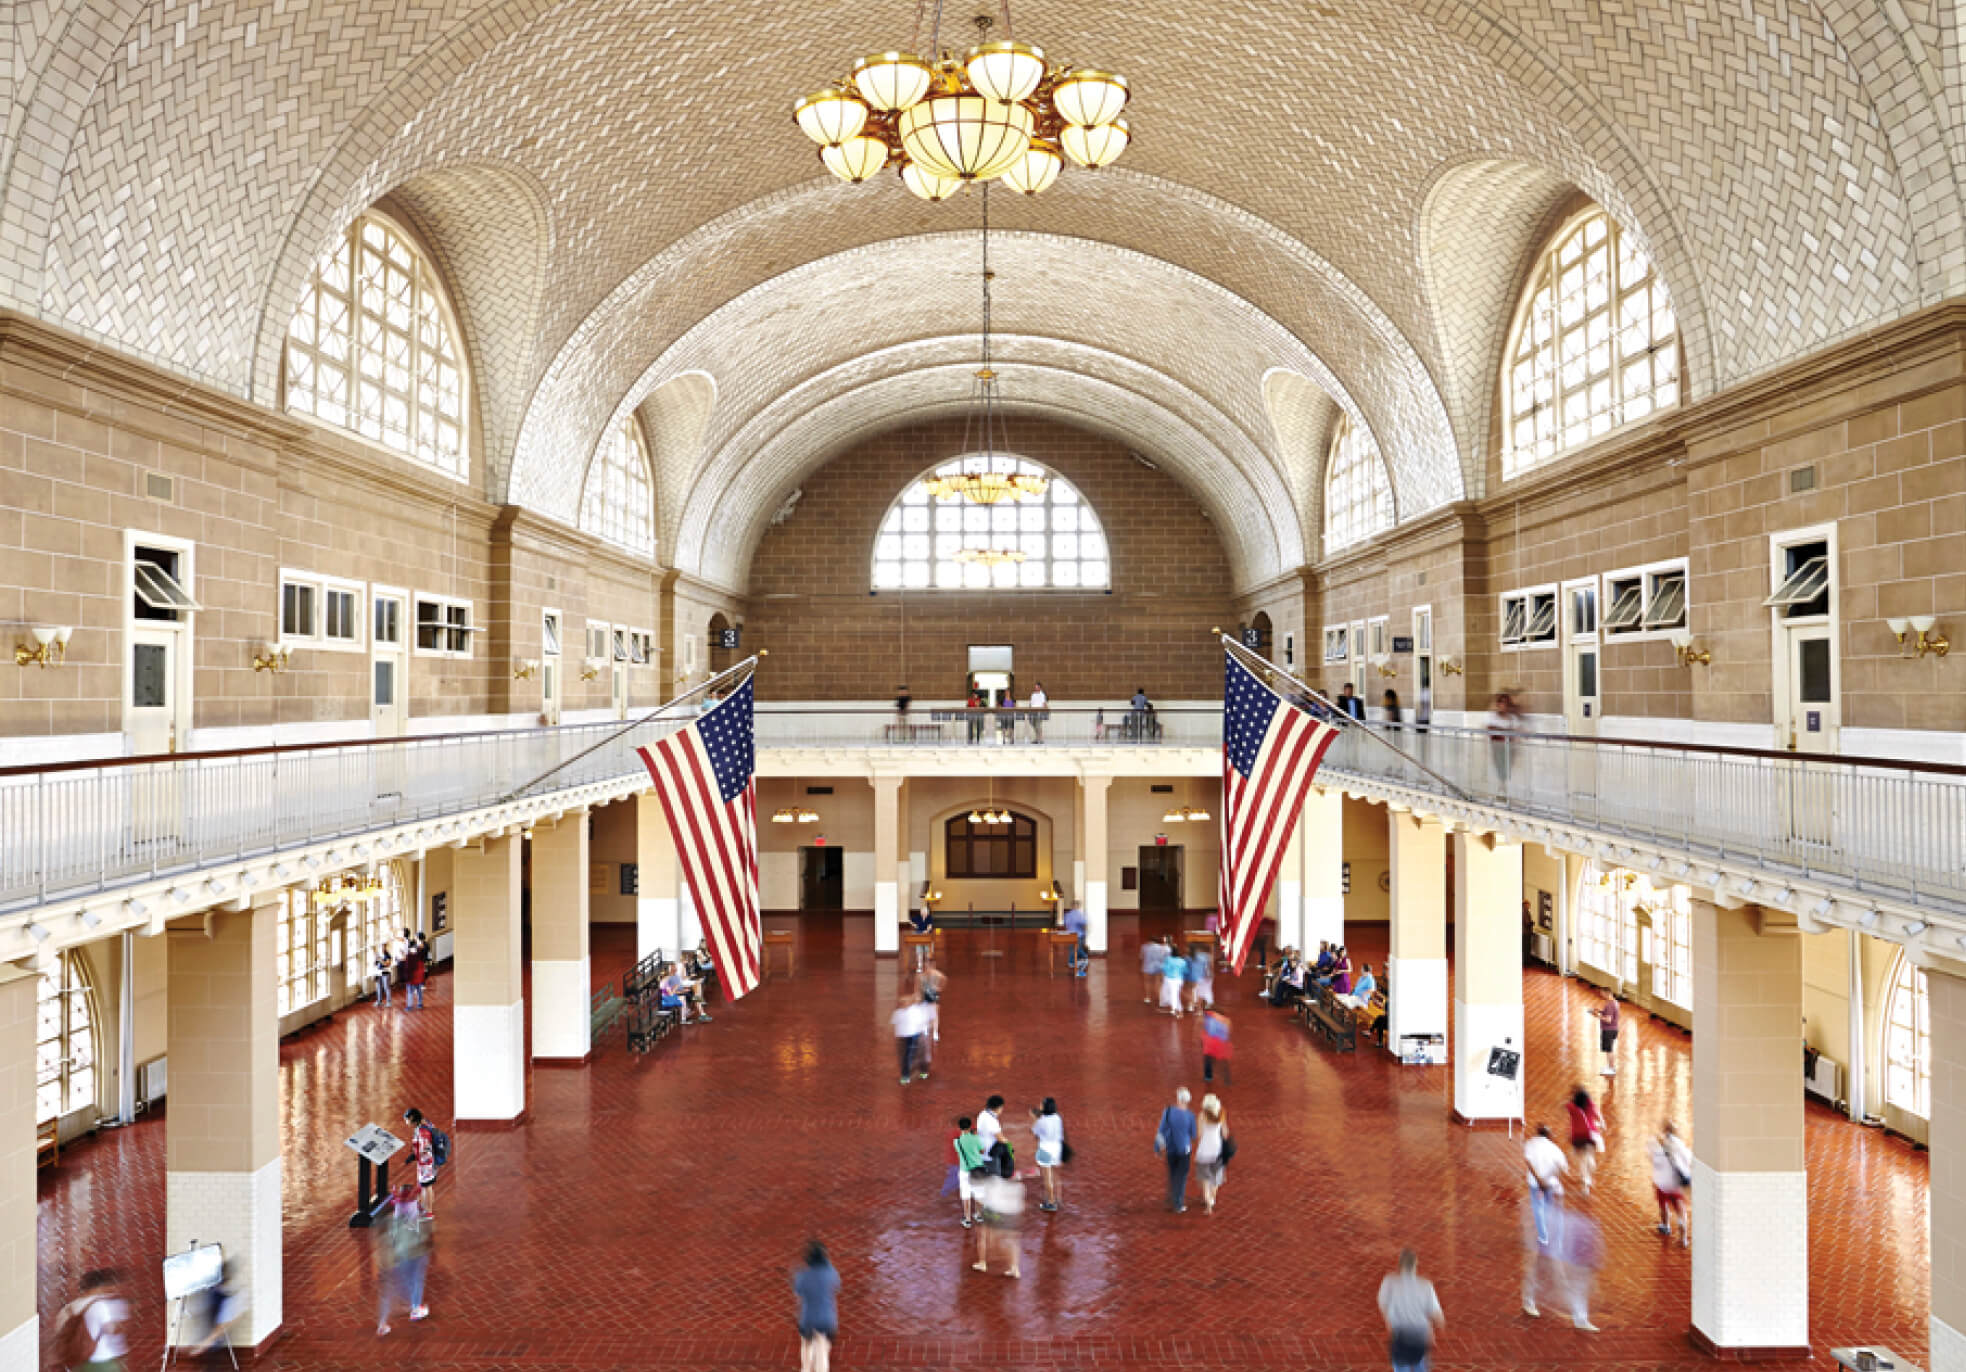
(1182, 983)
(410, 952)
(983, 1173)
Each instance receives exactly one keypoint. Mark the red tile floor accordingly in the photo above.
(648, 1212)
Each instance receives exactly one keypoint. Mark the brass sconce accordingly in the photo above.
(525, 669)
(50, 646)
(1450, 666)
(272, 657)
(1682, 644)
(1385, 665)
(591, 668)
(1928, 641)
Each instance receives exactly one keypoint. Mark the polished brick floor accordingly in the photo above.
(648, 1212)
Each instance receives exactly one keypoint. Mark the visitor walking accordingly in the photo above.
(1672, 1174)
(1608, 1017)
(1542, 1239)
(1503, 722)
(431, 1150)
(1411, 1310)
(989, 1124)
(931, 981)
(817, 1286)
(1173, 977)
(910, 1021)
(1002, 1201)
(1583, 1254)
(1049, 1130)
(1075, 926)
(1201, 979)
(1216, 1046)
(92, 1331)
(403, 1257)
(969, 1161)
(1174, 1140)
(1040, 704)
(1213, 1149)
(381, 973)
(1546, 1165)
(1153, 961)
(1586, 1135)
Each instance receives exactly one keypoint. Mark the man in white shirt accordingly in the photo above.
(1038, 703)
(102, 1316)
(1411, 1310)
(1546, 1165)
(989, 1124)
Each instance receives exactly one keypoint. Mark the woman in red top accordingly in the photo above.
(1586, 1134)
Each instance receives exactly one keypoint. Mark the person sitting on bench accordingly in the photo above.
(1339, 979)
(1360, 995)
(1327, 962)
(1289, 988)
(677, 991)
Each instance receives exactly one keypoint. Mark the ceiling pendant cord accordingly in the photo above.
(987, 376)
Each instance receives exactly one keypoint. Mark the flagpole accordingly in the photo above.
(656, 713)
(1345, 720)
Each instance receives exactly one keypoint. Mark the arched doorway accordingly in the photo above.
(723, 651)
(1259, 633)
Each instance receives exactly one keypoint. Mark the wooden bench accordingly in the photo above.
(604, 1007)
(1325, 1015)
(47, 1143)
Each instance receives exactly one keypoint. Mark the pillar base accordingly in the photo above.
(1948, 1347)
(241, 1211)
(1750, 1261)
(489, 1061)
(562, 1024)
(1416, 998)
(1096, 921)
(1724, 1354)
(21, 1345)
(1477, 1029)
(887, 917)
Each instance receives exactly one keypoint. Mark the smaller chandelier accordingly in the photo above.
(986, 488)
(794, 814)
(989, 816)
(989, 557)
(1185, 815)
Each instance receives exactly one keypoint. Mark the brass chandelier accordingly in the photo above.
(1000, 110)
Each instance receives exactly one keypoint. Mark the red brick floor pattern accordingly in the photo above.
(647, 1213)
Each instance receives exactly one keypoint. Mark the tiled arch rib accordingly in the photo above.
(1303, 416)
(723, 523)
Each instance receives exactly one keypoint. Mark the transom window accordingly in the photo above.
(1596, 345)
(64, 1041)
(619, 502)
(1908, 1042)
(1358, 499)
(1057, 536)
(992, 850)
(372, 349)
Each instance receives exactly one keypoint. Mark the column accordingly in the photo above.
(222, 1143)
(1488, 974)
(1289, 893)
(489, 1020)
(887, 857)
(1094, 839)
(1750, 1188)
(1416, 962)
(20, 1330)
(904, 867)
(658, 880)
(1947, 1184)
(1323, 828)
(561, 1025)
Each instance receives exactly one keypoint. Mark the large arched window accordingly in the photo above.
(619, 502)
(1908, 1041)
(65, 1041)
(373, 349)
(1053, 539)
(1358, 499)
(1595, 345)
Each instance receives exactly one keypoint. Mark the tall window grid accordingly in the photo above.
(1063, 543)
(1358, 499)
(1609, 901)
(372, 349)
(618, 504)
(300, 953)
(1596, 345)
(65, 1041)
(1908, 1041)
(372, 923)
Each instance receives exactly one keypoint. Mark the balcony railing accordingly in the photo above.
(959, 727)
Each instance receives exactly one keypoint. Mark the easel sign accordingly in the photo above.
(200, 1268)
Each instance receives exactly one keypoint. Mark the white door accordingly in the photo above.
(1582, 703)
(1813, 717)
(389, 665)
(156, 702)
(549, 667)
(618, 690)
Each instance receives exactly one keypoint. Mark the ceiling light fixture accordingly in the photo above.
(1000, 110)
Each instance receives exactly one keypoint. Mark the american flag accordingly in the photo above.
(705, 776)
(1270, 752)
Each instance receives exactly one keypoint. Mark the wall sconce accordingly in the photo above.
(525, 669)
(1682, 644)
(1928, 640)
(50, 646)
(591, 668)
(1450, 666)
(1387, 667)
(272, 657)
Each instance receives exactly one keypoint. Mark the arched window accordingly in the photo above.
(1612, 938)
(1595, 345)
(619, 502)
(991, 850)
(1053, 539)
(1908, 1041)
(65, 1041)
(372, 349)
(1358, 499)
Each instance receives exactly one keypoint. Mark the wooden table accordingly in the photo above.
(786, 939)
(1054, 940)
(1201, 938)
(911, 938)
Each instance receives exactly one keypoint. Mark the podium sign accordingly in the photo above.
(375, 1144)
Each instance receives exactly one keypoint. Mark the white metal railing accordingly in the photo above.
(1894, 829)
(960, 727)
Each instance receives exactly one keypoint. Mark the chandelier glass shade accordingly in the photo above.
(856, 159)
(927, 184)
(1001, 109)
(794, 814)
(1185, 815)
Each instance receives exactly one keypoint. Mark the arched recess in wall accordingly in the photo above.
(674, 418)
(67, 1047)
(988, 891)
(1302, 416)
(1259, 625)
(721, 657)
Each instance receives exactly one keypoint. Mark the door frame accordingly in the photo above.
(1783, 631)
(183, 630)
(1424, 684)
(397, 653)
(552, 670)
(1573, 643)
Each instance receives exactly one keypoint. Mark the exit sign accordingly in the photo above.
(1160, 840)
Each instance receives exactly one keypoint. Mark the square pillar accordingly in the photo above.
(1287, 899)
(1487, 974)
(1095, 841)
(561, 974)
(1322, 828)
(1416, 961)
(20, 1330)
(888, 848)
(222, 1146)
(1947, 1185)
(658, 881)
(1750, 1199)
(489, 1019)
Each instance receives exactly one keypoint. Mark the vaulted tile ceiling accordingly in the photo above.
(1341, 194)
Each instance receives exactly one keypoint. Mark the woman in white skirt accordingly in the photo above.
(1049, 1130)
(1211, 1149)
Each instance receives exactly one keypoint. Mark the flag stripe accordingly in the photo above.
(682, 809)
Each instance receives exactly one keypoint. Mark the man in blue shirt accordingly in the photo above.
(1075, 926)
(1175, 1141)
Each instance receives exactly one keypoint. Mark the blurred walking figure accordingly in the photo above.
(1542, 1239)
(1174, 1139)
(1002, 1202)
(1672, 1173)
(1586, 1134)
(1201, 979)
(1411, 1310)
(1173, 978)
(1607, 1031)
(1075, 926)
(817, 1285)
(219, 1307)
(1153, 961)
(402, 1257)
(382, 971)
(416, 971)
(1216, 1046)
(1213, 1149)
(92, 1331)
(1049, 1130)
(910, 1021)
(1583, 1254)
(1546, 1165)
(932, 981)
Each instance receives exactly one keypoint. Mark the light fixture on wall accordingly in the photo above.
(795, 814)
(1385, 665)
(1683, 645)
(50, 645)
(1450, 666)
(1929, 641)
(272, 657)
(990, 815)
(591, 667)
(525, 668)
(1186, 814)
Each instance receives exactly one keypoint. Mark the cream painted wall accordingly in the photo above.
(1542, 874)
(1134, 814)
(932, 801)
(1826, 1009)
(846, 821)
(1368, 848)
(613, 843)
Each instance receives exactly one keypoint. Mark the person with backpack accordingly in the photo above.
(1049, 1130)
(1672, 1173)
(432, 1147)
(91, 1332)
(817, 1285)
(968, 1167)
(402, 1256)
